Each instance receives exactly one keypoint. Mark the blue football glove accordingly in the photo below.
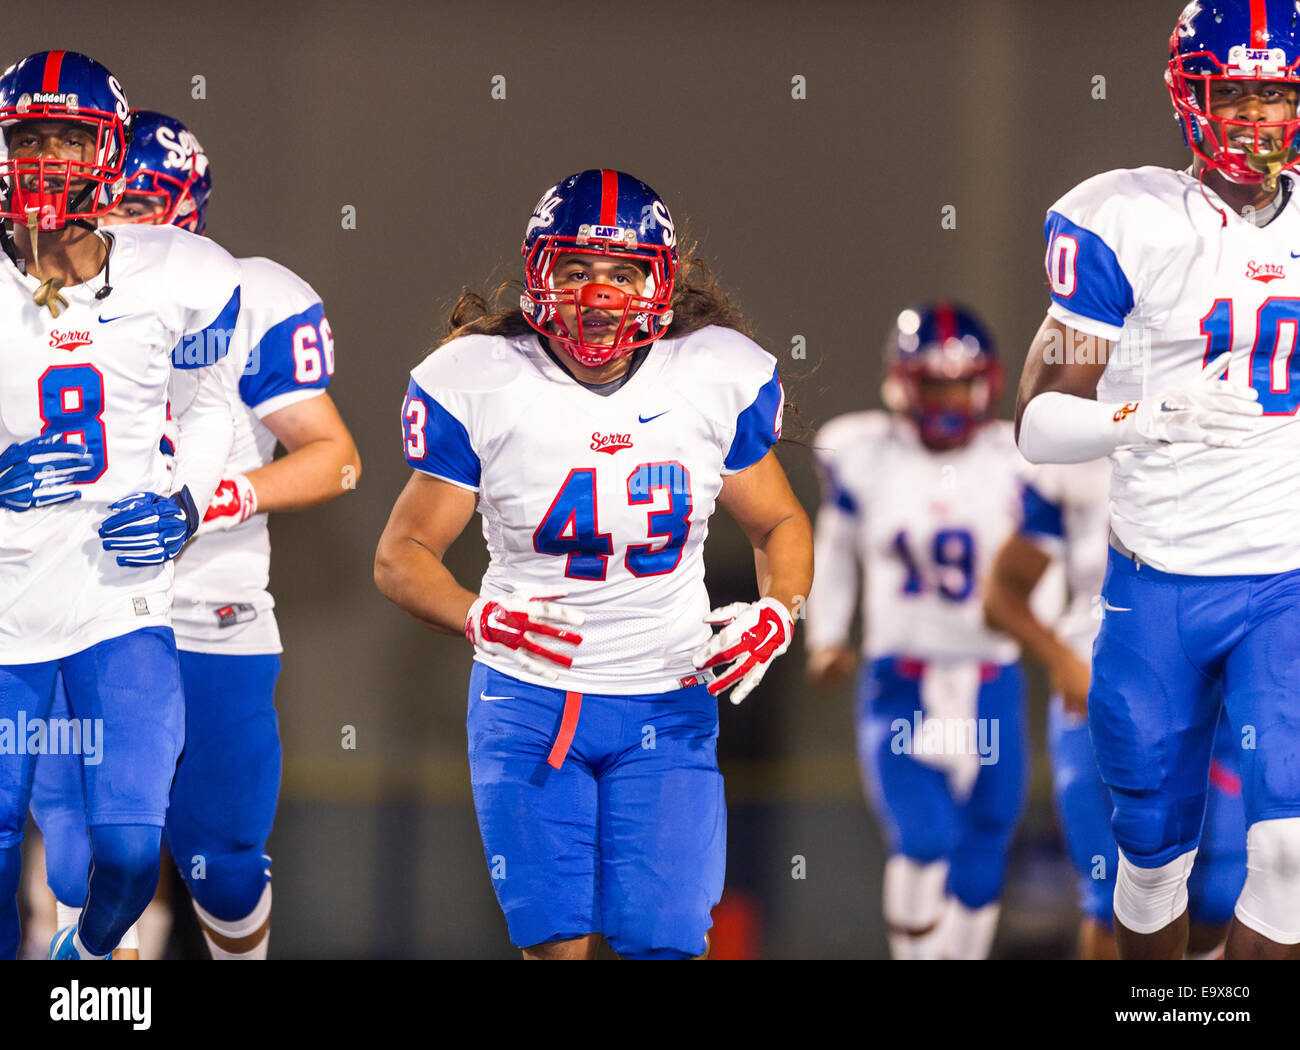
(151, 528)
(39, 472)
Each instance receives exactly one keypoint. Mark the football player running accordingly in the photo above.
(97, 327)
(921, 497)
(1066, 518)
(595, 427)
(1169, 347)
(227, 783)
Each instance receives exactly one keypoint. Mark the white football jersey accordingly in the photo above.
(606, 498)
(100, 372)
(1067, 514)
(282, 353)
(918, 531)
(1150, 259)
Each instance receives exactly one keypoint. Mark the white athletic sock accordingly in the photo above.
(238, 928)
(66, 915)
(967, 933)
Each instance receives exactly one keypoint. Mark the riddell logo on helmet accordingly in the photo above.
(69, 340)
(610, 443)
(48, 98)
(1265, 273)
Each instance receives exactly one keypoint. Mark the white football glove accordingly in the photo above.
(1206, 410)
(233, 503)
(509, 627)
(753, 635)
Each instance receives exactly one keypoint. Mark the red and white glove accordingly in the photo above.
(234, 502)
(509, 627)
(754, 634)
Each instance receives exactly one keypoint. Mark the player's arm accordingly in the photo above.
(426, 520)
(835, 592)
(777, 527)
(409, 571)
(1017, 569)
(322, 462)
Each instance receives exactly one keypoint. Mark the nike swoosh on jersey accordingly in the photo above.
(110, 320)
(484, 696)
(650, 419)
(1112, 608)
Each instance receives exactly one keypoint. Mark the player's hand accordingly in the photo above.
(753, 635)
(1069, 677)
(233, 503)
(511, 626)
(39, 472)
(150, 528)
(830, 666)
(1206, 410)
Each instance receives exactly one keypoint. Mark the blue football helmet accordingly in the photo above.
(166, 163)
(62, 86)
(609, 214)
(1218, 40)
(941, 341)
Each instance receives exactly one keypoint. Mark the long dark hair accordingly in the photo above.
(698, 301)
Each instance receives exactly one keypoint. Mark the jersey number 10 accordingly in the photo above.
(1273, 358)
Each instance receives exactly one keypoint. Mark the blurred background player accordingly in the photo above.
(281, 362)
(1067, 517)
(596, 425)
(1169, 346)
(923, 496)
(97, 328)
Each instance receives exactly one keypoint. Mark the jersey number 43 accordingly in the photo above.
(571, 527)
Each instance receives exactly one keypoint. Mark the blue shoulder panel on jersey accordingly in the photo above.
(435, 441)
(832, 491)
(1042, 517)
(207, 347)
(1086, 276)
(290, 356)
(757, 428)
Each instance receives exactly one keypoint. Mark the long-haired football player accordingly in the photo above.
(915, 503)
(595, 427)
(97, 327)
(1067, 510)
(280, 365)
(1169, 346)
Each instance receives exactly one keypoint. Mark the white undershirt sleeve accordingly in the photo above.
(835, 581)
(206, 431)
(1065, 428)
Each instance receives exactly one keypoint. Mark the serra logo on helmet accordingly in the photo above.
(167, 161)
(65, 87)
(606, 215)
(1216, 41)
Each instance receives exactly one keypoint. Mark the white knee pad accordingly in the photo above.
(914, 892)
(237, 929)
(1149, 899)
(1270, 901)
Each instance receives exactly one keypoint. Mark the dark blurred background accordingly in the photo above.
(822, 215)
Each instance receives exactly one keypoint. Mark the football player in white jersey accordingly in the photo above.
(922, 497)
(280, 365)
(1169, 346)
(1067, 518)
(595, 427)
(97, 327)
